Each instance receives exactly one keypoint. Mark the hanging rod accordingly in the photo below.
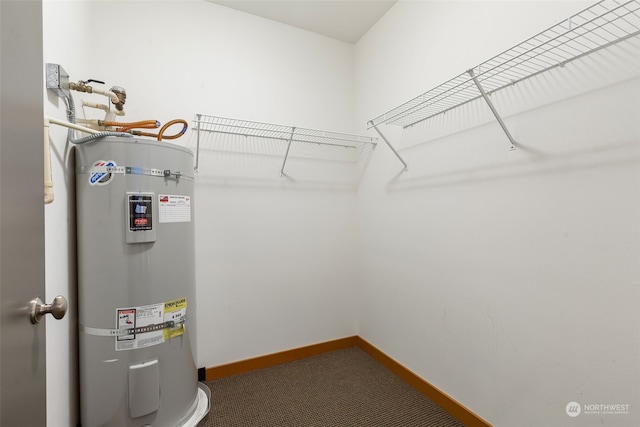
(597, 27)
(289, 134)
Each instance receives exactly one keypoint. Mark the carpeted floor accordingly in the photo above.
(341, 388)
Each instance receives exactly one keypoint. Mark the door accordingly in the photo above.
(22, 344)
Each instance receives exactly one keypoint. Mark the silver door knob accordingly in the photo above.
(37, 309)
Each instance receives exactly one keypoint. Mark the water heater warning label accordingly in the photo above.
(173, 208)
(175, 310)
(140, 212)
(150, 325)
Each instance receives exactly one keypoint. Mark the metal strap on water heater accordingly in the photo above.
(133, 170)
(102, 332)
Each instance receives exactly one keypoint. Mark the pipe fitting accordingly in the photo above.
(81, 86)
(121, 93)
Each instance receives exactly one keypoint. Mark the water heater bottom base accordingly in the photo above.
(201, 408)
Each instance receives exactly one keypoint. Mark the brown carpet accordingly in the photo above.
(340, 388)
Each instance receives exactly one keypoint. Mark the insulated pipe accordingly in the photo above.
(71, 125)
(112, 96)
(82, 87)
(48, 180)
(92, 123)
(102, 107)
(94, 134)
(71, 116)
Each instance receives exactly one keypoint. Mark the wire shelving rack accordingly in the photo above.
(597, 27)
(269, 131)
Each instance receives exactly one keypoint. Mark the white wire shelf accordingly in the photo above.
(206, 124)
(273, 131)
(599, 26)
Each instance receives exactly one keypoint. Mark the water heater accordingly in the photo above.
(136, 285)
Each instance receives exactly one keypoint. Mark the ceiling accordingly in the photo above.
(345, 20)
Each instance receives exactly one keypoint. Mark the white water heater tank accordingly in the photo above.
(136, 285)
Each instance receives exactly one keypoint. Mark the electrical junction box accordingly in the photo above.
(57, 80)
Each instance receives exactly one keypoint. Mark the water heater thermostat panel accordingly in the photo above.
(140, 218)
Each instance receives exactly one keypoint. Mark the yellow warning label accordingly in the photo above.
(176, 311)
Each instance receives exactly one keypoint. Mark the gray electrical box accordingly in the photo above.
(57, 80)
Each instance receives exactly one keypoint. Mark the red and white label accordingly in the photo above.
(174, 208)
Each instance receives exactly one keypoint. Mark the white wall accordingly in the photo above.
(509, 280)
(275, 255)
(64, 30)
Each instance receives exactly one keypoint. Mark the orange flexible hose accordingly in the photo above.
(140, 133)
(185, 125)
(144, 124)
(149, 124)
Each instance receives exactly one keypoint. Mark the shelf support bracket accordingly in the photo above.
(195, 168)
(389, 145)
(493, 109)
(286, 155)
